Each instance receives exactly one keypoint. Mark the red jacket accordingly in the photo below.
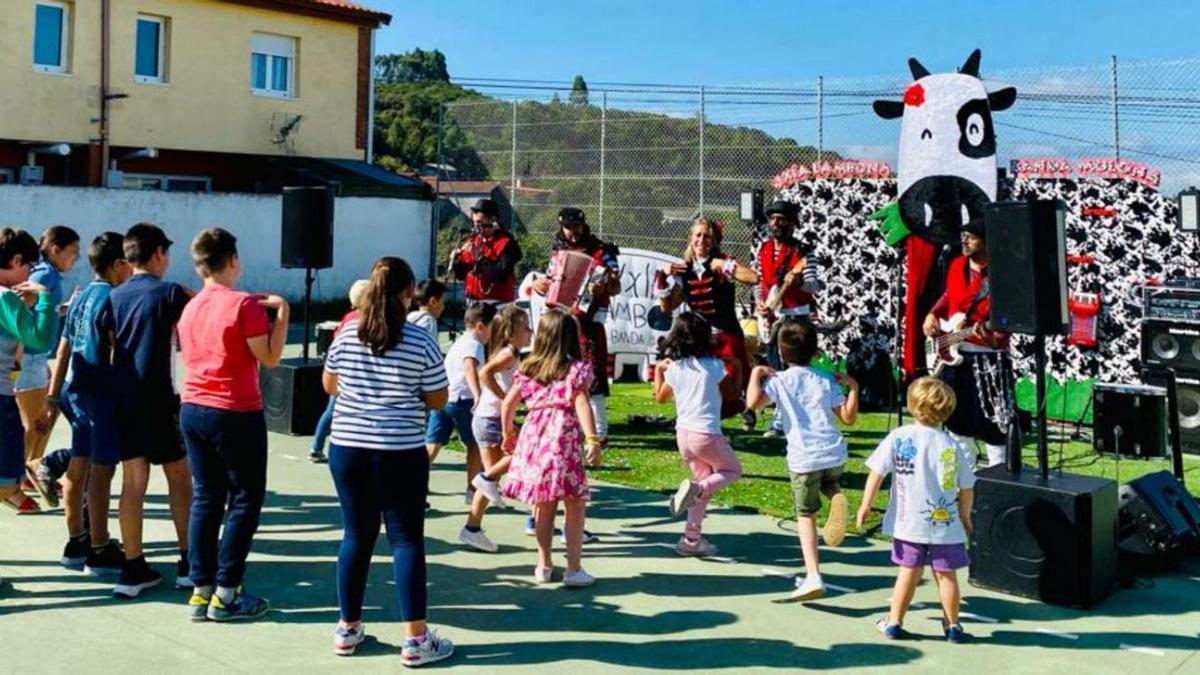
(489, 267)
(774, 261)
(962, 288)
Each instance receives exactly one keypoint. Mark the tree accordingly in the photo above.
(579, 91)
(415, 66)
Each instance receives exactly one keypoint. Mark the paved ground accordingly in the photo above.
(650, 609)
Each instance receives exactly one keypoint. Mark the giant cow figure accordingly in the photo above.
(946, 173)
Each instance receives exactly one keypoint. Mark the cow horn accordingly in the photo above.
(918, 70)
(971, 66)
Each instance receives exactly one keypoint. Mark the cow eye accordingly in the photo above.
(926, 135)
(974, 129)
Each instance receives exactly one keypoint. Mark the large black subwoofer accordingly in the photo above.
(1053, 539)
(293, 398)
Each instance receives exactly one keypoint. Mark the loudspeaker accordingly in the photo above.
(325, 331)
(307, 234)
(1159, 522)
(1049, 539)
(1187, 394)
(1027, 272)
(1130, 419)
(293, 398)
(1171, 344)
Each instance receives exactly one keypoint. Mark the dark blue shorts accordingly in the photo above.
(456, 415)
(93, 427)
(12, 442)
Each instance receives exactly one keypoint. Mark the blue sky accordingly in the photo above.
(711, 42)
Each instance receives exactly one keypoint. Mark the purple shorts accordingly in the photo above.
(943, 557)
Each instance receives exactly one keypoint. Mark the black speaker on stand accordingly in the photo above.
(292, 393)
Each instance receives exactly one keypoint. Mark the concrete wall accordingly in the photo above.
(205, 104)
(365, 228)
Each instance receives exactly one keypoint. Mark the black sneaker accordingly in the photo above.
(105, 560)
(317, 456)
(183, 571)
(76, 552)
(136, 576)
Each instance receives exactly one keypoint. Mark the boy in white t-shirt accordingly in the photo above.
(808, 401)
(428, 303)
(463, 361)
(929, 508)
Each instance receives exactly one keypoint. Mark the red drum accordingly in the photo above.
(569, 272)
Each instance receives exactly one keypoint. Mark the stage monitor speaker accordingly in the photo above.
(1171, 344)
(1131, 420)
(293, 398)
(1027, 272)
(1187, 395)
(1051, 539)
(307, 233)
(1159, 522)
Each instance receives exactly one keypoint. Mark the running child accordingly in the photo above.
(427, 305)
(547, 463)
(808, 401)
(688, 371)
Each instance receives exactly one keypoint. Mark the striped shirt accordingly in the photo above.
(379, 403)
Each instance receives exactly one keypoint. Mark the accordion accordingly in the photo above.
(569, 274)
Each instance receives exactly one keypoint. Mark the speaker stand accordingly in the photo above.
(1043, 445)
(308, 284)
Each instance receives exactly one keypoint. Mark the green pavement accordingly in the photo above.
(650, 609)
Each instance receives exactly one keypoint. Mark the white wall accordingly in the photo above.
(365, 228)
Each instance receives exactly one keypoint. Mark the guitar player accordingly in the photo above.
(966, 299)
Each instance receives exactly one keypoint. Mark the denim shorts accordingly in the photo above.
(93, 427)
(942, 557)
(455, 416)
(487, 430)
(34, 373)
(12, 442)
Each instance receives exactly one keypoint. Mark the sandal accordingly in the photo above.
(24, 506)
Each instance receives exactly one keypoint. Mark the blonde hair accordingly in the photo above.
(714, 229)
(931, 401)
(556, 345)
(504, 326)
(358, 293)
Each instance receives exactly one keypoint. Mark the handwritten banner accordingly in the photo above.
(839, 170)
(1092, 167)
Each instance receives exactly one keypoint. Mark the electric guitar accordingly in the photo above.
(942, 350)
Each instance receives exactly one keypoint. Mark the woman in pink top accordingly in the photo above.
(224, 335)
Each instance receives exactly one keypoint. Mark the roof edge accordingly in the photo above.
(356, 15)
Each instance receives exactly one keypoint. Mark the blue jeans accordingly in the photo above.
(324, 426)
(388, 486)
(12, 442)
(227, 453)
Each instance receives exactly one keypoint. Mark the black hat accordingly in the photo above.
(487, 207)
(571, 214)
(975, 227)
(786, 209)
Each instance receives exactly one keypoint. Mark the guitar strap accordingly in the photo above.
(979, 295)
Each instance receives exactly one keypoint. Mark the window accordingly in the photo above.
(273, 65)
(143, 181)
(150, 61)
(51, 36)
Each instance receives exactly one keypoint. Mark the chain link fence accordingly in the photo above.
(644, 160)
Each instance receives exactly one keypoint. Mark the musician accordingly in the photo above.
(487, 260)
(705, 280)
(966, 304)
(575, 235)
(788, 286)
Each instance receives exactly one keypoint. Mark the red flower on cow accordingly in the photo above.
(914, 95)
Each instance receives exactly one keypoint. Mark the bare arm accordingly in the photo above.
(756, 397)
(329, 381)
(966, 501)
(848, 411)
(436, 399)
(583, 410)
(673, 300)
(745, 274)
(508, 413)
(471, 374)
(870, 490)
(268, 349)
(499, 362)
(662, 390)
(62, 361)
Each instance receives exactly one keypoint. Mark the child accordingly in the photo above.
(808, 400)
(19, 327)
(141, 315)
(510, 334)
(547, 464)
(428, 305)
(81, 387)
(463, 361)
(688, 371)
(316, 453)
(932, 478)
(224, 336)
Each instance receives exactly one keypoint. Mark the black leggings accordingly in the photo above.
(388, 486)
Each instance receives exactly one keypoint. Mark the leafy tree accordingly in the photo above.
(579, 91)
(415, 66)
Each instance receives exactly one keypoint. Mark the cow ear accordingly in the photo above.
(888, 110)
(1002, 99)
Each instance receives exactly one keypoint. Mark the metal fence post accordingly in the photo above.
(437, 191)
(1115, 118)
(820, 116)
(701, 150)
(603, 131)
(512, 198)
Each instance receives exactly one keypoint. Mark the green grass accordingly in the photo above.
(648, 458)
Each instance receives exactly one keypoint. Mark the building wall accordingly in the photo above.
(364, 229)
(206, 103)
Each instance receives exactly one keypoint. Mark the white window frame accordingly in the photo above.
(270, 65)
(64, 38)
(162, 49)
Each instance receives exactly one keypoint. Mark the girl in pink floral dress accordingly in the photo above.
(547, 464)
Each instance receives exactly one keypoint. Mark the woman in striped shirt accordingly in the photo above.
(385, 375)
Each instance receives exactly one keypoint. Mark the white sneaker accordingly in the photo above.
(432, 648)
(698, 548)
(477, 540)
(490, 489)
(810, 588)
(588, 537)
(530, 526)
(683, 497)
(578, 579)
(543, 575)
(346, 638)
